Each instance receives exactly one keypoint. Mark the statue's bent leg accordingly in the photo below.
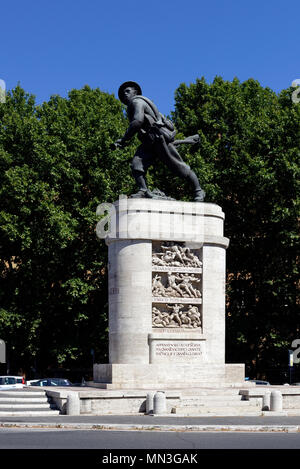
(176, 164)
(140, 180)
(199, 193)
(139, 166)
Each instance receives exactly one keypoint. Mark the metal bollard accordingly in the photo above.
(149, 402)
(266, 400)
(276, 401)
(159, 403)
(73, 404)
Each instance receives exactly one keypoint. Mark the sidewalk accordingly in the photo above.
(279, 423)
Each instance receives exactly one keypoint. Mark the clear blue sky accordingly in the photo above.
(52, 47)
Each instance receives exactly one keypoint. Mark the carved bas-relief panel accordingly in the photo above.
(176, 286)
(176, 315)
(175, 255)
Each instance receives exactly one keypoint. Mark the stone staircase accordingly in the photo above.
(217, 402)
(26, 403)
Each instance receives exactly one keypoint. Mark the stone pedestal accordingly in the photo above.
(166, 297)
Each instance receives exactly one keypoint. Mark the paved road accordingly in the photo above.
(12, 438)
(83, 433)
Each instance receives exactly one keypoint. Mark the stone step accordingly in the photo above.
(216, 411)
(209, 398)
(229, 399)
(216, 389)
(28, 413)
(210, 392)
(23, 403)
(23, 400)
(30, 405)
(24, 394)
(242, 404)
(290, 412)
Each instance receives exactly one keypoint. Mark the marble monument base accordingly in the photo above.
(166, 273)
(169, 376)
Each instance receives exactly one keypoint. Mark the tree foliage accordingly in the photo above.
(56, 167)
(248, 162)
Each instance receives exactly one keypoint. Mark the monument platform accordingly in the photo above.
(235, 400)
(180, 376)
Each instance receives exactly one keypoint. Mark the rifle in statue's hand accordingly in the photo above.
(190, 140)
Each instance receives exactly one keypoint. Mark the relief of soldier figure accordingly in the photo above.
(176, 285)
(176, 316)
(157, 136)
(176, 256)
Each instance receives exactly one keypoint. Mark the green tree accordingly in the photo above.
(248, 162)
(56, 167)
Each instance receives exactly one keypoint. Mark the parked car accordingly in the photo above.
(259, 382)
(50, 382)
(11, 382)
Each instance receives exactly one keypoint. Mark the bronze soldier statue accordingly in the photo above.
(157, 136)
